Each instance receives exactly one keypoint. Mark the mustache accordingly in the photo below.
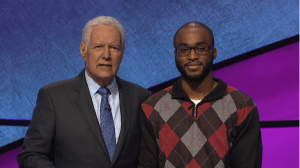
(194, 63)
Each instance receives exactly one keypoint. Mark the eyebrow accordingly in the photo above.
(103, 43)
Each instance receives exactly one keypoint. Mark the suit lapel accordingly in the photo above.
(85, 105)
(126, 112)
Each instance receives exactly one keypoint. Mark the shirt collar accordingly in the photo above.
(93, 86)
(217, 93)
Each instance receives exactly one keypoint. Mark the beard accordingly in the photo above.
(195, 78)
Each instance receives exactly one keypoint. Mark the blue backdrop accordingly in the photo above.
(40, 40)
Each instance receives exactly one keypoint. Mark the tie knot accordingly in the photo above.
(103, 91)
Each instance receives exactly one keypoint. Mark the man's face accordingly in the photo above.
(104, 53)
(194, 67)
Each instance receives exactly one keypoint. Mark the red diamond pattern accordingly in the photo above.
(193, 164)
(168, 89)
(211, 122)
(167, 140)
(243, 113)
(147, 109)
(230, 89)
(202, 109)
(186, 105)
(219, 141)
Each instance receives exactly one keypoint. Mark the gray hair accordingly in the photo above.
(101, 20)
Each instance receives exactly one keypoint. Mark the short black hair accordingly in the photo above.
(194, 24)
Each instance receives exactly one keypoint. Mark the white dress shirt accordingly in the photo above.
(113, 99)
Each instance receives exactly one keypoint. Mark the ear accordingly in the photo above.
(175, 53)
(82, 51)
(214, 53)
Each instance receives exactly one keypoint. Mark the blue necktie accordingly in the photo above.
(107, 122)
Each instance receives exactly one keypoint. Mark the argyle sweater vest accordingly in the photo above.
(201, 141)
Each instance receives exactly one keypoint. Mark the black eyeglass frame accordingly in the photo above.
(190, 48)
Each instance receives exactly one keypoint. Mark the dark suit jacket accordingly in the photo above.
(64, 128)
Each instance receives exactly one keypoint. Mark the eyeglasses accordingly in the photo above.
(185, 50)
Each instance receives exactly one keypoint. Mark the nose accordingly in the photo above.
(106, 52)
(193, 55)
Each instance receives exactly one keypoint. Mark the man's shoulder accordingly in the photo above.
(243, 104)
(163, 95)
(123, 84)
(239, 98)
(63, 85)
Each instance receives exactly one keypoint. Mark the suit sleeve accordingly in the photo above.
(148, 157)
(246, 151)
(38, 143)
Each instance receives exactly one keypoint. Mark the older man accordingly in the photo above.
(90, 120)
(199, 121)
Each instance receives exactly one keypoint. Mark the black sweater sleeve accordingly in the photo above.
(246, 151)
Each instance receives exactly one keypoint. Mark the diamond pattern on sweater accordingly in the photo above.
(167, 140)
(220, 164)
(207, 156)
(180, 122)
(224, 107)
(169, 164)
(219, 141)
(157, 126)
(201, 109)
(241, 100)
(186, 106)
(167, 107)
(243, 113)
(147, 110)
(193, 164)
(168, 88)
(194, 139)
(209, 122)
(230, 89)
(180, 155)
(176, 130)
